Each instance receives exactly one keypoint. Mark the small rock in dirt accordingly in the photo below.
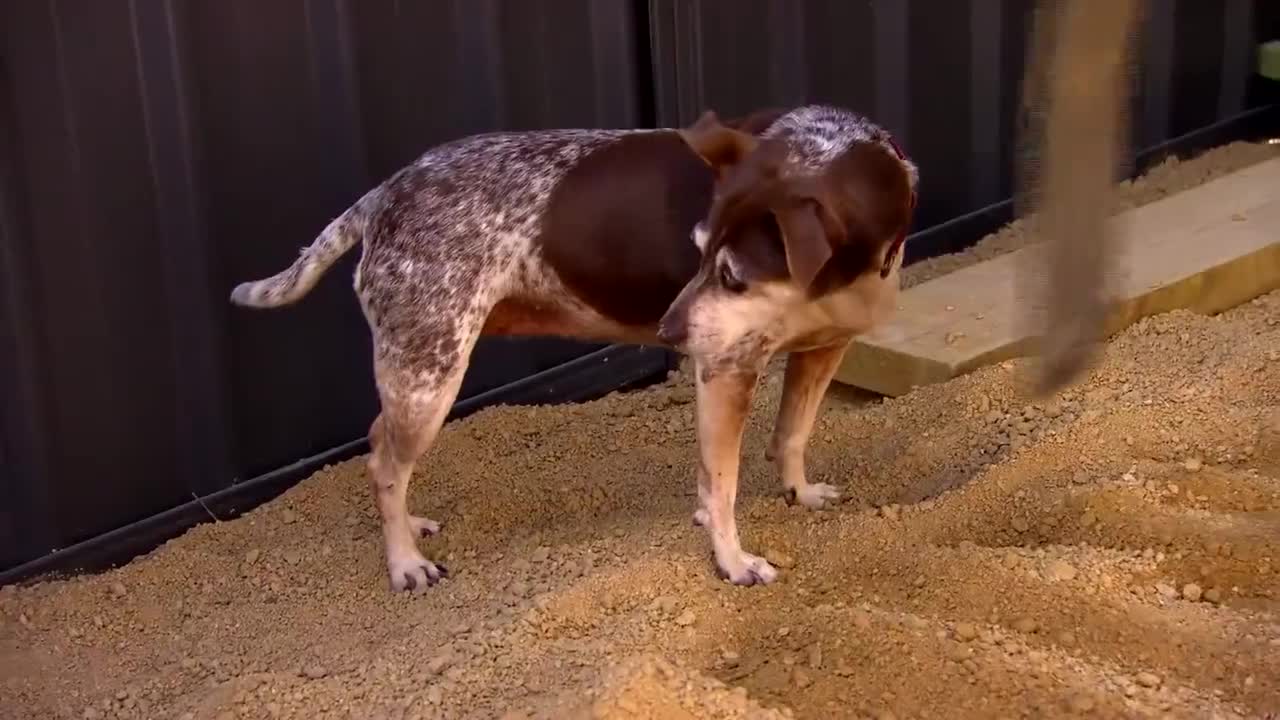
(288, 517)
(1166, 591)
(1192, 464)
(1060, 570)
(1020, 525)
(293, 557)
(730, 658)
(861, 620)
(1148, 680)
(779, 559)
(1192, 592)
(314, 672)
(1213, 595)
(686, 618)
(801, 678)
(542, 554)
(890, 512)
(966, 631)
(91, 714)
(784, 631)
(1066, 638)
(118, 589)
(252, 556)
(815, 656)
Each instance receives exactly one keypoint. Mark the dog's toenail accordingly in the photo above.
(409, 583)
(790, 496)
(444, 571)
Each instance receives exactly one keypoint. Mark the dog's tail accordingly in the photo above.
(290, 284)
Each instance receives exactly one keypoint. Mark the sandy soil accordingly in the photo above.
(1113, 553)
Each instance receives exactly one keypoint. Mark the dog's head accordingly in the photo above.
(788, 251)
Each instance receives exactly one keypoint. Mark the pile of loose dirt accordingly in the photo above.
(1113, 553)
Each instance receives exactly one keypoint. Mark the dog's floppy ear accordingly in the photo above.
(810, 234)
(716, 144)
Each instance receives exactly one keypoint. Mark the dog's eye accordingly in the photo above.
(729, 281)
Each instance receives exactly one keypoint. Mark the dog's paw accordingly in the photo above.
(745, 569)
(423, 527)
(814, 496)
(701, 517)
(414, 572)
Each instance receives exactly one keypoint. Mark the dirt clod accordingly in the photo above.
(1060, 570)
(1192, 592)
(779, 560)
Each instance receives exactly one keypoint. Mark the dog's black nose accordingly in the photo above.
(673, 332)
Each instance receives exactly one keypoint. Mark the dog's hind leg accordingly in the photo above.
(414, 407)
(808, 376)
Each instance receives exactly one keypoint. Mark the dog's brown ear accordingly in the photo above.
(716, 144)
(810, 233)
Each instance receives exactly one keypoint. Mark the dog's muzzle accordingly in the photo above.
(673, 329)
(674, 334)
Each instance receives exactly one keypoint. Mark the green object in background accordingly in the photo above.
(1269, 59)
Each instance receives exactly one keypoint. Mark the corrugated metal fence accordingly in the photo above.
(154, 152)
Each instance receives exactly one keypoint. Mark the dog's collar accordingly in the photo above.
(901, 239)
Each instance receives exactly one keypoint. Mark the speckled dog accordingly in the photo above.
(730, 242)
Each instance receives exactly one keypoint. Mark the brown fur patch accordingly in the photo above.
(617, 229)
(514, 316)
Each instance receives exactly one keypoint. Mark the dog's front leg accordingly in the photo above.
(808, 375)
(724, 399)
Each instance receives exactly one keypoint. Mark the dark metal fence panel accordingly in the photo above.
(944, 76)
(156, 153)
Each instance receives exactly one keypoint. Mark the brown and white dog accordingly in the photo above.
(728, 242)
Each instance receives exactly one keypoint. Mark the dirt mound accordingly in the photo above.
(650, 688)
(1114, 553)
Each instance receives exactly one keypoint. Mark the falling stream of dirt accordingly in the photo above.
(1114, 553)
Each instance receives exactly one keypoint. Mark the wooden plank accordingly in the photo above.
(1206, 249)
